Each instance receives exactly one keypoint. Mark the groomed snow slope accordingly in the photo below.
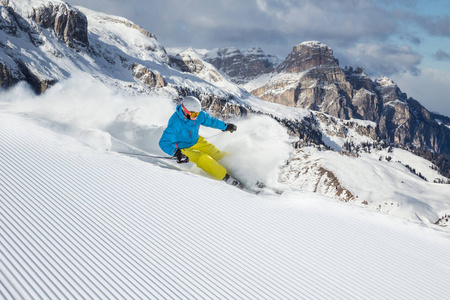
(78, 223)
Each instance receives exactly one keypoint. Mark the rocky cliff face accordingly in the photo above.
(7, 79)
(406, 122)
(366, 104)
(68, 23)
(25, 21)
(311, 78)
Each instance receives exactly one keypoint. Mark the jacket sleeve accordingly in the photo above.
(209, 121)
(167, 142)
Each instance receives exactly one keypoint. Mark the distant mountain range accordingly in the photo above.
(310, 77)
(45, 42)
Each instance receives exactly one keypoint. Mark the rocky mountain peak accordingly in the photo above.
(254, 51)
(191, 61)
(308, 55)
(311, 78)
(389, 90)
(191, 53)
(385, 81)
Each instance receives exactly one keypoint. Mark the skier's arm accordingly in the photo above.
(167, 142)
(210, 121)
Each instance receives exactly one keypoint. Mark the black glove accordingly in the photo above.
(181, 158)
(230, 127)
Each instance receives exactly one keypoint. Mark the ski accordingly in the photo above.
(260, 188)
(263, 187)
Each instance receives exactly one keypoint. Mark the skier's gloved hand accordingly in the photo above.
(181, 158)
(230, 127)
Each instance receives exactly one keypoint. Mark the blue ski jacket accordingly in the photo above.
(183, 133)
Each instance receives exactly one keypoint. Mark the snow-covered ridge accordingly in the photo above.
(222, 53)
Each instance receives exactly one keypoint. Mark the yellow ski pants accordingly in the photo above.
(205, 155)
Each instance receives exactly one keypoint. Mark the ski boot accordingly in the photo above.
(231, 181)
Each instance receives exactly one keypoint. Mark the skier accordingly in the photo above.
(181, 139)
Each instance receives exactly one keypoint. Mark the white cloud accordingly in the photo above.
(383, 59)
(262, 5)
(244, 24)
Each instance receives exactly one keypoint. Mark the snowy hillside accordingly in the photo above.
(369, 181)
(98, 100)
(80, 220)
(83, 223)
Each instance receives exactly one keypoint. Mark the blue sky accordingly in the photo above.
(406, 40)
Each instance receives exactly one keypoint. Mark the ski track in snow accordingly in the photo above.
(78, 223)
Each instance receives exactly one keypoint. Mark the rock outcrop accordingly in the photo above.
(310, 175)
(12, 68)
(68, 23)
(7, 78)
(148, 77)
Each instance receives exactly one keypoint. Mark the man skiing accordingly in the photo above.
(181, 139)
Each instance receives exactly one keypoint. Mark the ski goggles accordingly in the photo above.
(192, 114)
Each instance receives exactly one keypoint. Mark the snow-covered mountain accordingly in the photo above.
(78, 220)
(310, 77)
